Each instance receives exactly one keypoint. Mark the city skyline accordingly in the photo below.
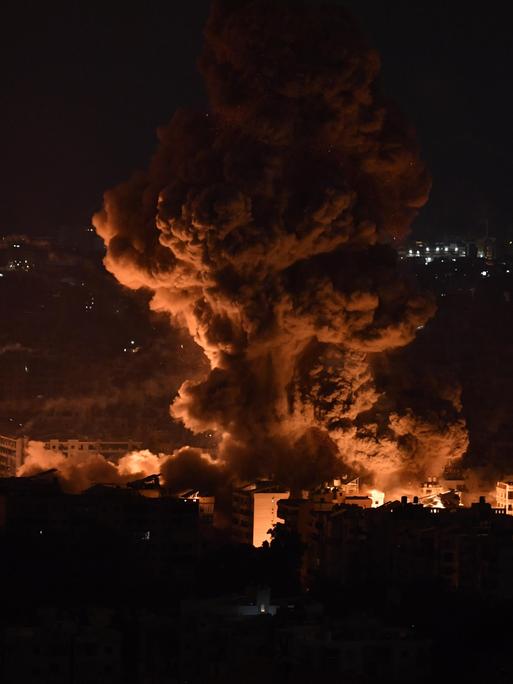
(256, 390)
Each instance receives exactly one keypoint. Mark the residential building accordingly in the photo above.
(12, 452)
(504, 494)
(255, 511)
(111, 449)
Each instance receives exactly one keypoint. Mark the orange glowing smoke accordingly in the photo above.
(378, 498)
(263, 227)
(184, 468)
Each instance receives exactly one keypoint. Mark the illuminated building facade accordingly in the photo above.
(457, 248)
(12, 451)
(110, 449)
(454, 249)
(435, 490)
(504, 495)
(255, 511)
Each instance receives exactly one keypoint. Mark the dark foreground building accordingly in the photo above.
(469, 549)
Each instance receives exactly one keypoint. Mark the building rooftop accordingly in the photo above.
(262, 487)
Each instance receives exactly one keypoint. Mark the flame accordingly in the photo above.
(378, 498)
(437, 502)
(433, 501)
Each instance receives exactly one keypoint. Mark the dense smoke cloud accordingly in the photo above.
(184, 469)
(191, 468)
(264, 227)
(76, 472)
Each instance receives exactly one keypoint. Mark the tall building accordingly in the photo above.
(12, 453)
(110, 449)
(255, 511)
(504, 494)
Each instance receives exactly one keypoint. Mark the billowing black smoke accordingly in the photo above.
(266, 226)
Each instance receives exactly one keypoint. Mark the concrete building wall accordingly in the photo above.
(265, 514)
(112, 450)
(255, 511)
(504, 496)
(12, 454)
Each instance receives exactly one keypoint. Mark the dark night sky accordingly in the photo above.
(84, 85)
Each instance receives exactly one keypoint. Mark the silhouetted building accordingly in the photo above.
(206, 505)
(354, 650)
(401, 542)
(164, 531)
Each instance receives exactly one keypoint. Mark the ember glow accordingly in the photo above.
(378, 498)
(264, 226)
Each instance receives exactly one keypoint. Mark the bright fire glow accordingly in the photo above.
(378, 498)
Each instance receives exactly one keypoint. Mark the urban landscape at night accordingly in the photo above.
(256, 360)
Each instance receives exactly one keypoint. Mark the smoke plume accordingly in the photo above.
(266, 227)
(76, 472)
(185, 468)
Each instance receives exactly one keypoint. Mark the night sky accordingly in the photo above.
(85, 85)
